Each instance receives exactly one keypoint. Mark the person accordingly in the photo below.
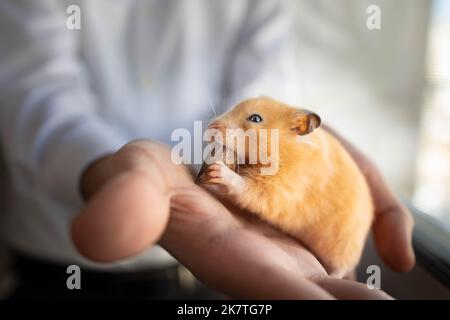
(71, 102)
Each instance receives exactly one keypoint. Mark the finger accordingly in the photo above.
(215, 180)
(350, 290)
(126, 216)
(215, 173)
(278, 286)
(155, 157)
(214, 167)
(393, 225)
(392, 232)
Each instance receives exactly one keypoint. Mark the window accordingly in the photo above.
(432, 186)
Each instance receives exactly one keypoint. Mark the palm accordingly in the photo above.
(226, 238)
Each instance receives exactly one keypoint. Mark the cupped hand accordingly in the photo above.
(138, 194)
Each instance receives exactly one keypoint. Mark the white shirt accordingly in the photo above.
(135, 69)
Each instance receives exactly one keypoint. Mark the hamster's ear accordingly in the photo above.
(305, 122)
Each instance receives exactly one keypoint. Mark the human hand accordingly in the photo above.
(223, 246)
(243, 257)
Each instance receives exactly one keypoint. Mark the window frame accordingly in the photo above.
(431, 244)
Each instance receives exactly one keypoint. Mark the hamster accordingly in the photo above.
(318, 195)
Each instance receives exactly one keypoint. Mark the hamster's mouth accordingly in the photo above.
(230, 147)
(216, 125)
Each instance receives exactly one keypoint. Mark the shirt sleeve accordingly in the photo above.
(50, 124)
(263, 62)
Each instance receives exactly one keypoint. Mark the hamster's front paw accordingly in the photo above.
(224, 180)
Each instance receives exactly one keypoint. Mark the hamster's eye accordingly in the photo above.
(255, 118)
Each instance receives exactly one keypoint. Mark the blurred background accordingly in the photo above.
(386, 89)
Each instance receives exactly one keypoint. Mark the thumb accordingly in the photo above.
(128, 214)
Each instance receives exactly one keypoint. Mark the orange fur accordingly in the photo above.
(318, 195)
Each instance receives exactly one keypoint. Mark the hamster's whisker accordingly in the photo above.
(212, 109)
(208, 120)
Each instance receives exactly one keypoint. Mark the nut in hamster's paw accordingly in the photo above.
(224, 180)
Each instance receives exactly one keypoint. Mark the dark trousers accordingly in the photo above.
(39, 279)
